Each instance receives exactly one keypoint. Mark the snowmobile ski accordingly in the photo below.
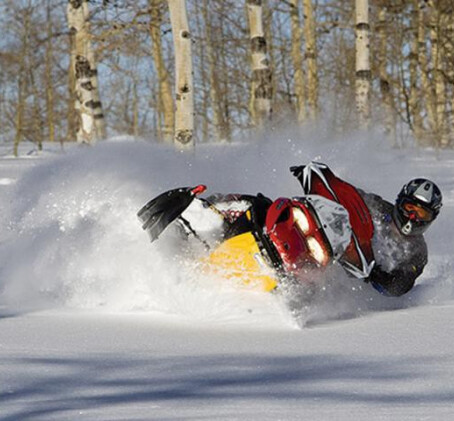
(160, 212)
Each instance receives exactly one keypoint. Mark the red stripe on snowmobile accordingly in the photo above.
(360, 218)
(198, 189)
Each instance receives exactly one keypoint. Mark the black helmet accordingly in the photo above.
(417, 205)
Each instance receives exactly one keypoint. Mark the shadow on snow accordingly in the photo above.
(99, 382)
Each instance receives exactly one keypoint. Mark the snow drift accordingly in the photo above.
(70, 236)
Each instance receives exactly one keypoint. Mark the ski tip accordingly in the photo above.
(198, 189)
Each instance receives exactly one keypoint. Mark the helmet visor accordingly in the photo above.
(417, 212)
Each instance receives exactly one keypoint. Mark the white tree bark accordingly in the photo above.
(385, 86)
(261, 73)
(297, 59)
(427, 91)
(436, 22)
(184, 85)
(363, 73)
(165, 100)
(415, 94)
(311, 57)
(48, 78)
(71, 127)
(448, 53)
(91, 123)
(215, 97)
(21, 85)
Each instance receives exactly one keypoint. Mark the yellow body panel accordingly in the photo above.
(239, 259)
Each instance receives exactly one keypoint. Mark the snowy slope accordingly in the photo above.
(96, 323)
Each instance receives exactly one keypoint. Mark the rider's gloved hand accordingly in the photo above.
(297, 170)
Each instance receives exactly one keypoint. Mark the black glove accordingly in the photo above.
(297, 171)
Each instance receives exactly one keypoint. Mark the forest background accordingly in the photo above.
(206, 71)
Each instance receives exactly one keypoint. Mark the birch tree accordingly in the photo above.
(427, 91)
(262, 88)
(436, 20)
(363, 73)
(91, 125)
(311, 57)
(448, 54)
(21, 82)
(215, 97)
(165, 100)
(414, 96)
(71, 120)
(49, 66)
(385, 85)
(414, 67)
(184, 84)
(297, 59)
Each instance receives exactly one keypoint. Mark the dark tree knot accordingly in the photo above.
(184, 136)
(93, 104)
(258, 45)
(83, 69)
(363, 26)
(363, 74)
(75, 3)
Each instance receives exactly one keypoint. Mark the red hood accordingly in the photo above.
(294, 241)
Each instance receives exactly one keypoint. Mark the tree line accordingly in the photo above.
(193, 71)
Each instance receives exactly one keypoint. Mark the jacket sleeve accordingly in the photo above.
(400, 280)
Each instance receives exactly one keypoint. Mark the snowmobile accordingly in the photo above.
(259, 242)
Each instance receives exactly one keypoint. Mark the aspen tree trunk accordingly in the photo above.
(91, 125)
(156, 117)
(363, 73)
(71, 133)
(311, 57)
(215, 97)
(135, 110)
(204, 69)
(445, 67)
(297, 59)
(448, 51)
(427, 91)
(21, 82)
(385, 87)
(274, 53)
(415, 94)
(2, 101)
(49, 84)
(165, 100)
(224, 83)
(37, 116)
(19, 112)
(261, 72)
(184, 85)
(440, 93)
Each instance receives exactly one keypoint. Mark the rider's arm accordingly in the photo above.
(400, 280)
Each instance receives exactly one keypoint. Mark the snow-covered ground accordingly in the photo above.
(96, 323)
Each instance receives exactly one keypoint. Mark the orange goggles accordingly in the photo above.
(419, 211)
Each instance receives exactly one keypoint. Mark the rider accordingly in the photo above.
(399, 251)
(385, 244)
